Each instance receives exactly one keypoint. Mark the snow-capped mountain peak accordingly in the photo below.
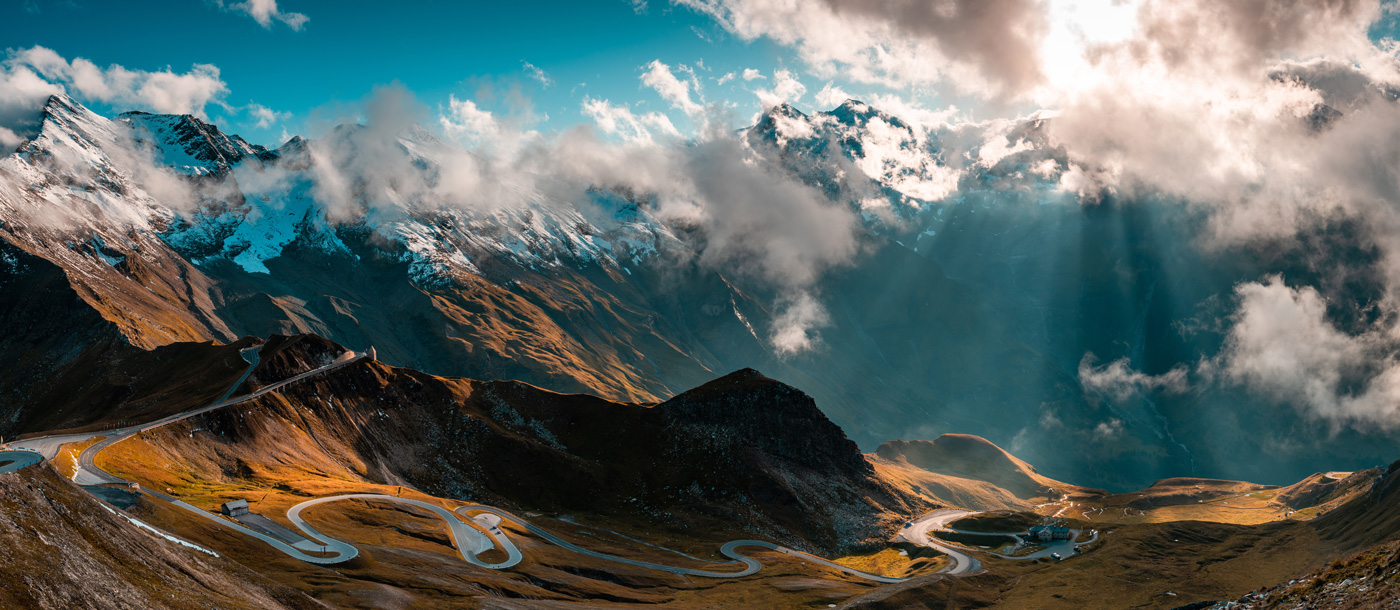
(80, 171)
(73, 138)
(190, 146)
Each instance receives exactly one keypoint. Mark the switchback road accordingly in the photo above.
(917, 533)
(476, 535)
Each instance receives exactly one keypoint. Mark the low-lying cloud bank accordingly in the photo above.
(740, 214)
(1283, 344)
(748, 216)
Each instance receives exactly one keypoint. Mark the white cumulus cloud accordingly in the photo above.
(265, 12)
(981, 44)
(794, 328)
(536, 74)
(660, 78)
(264, 117)
(1118, 380)
(831, 96)
(619, 120)
(1282, 344)
(786, 88)
(34, 73)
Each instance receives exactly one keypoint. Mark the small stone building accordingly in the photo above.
(235, 508)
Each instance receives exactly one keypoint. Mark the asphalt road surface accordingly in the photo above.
(471, 539)
(729, 549)
(917, 533)
(11, 461)
(1064, 548)
(49, 445)
(90, 474)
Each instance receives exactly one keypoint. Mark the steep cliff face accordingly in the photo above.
(76, 196)
(189, 145)
(755, 441)
(68, 366)
(763, 442)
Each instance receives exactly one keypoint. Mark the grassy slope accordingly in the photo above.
(357, 433)
(963, 457)
(72, 553)
(1365, 581)
(128, 384)
(336, 435)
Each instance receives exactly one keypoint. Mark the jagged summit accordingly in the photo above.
(745, 378)
(856, 113)
(72, 136)
(781, 123)
(742, 384)
(189, 145)
(59, 104)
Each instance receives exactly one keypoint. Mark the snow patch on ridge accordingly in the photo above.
(179, 541)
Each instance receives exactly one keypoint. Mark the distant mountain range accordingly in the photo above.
(979, 288)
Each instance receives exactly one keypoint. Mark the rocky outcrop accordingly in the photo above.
(745, 411)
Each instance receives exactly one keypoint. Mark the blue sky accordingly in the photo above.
(314, 75)
(438, 49)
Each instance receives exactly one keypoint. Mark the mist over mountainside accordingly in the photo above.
(697, 304)
(977, 296)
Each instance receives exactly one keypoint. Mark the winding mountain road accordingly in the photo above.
(471, 541)
(12, 460)
(473, 536)
(89, 474)
(729, 550)
(917, 533)
(329, 551)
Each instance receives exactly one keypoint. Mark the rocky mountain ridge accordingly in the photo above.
(974, 267)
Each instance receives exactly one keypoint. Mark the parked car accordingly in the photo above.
(1055, 556)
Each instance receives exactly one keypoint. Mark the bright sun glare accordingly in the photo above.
(1075, 27)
